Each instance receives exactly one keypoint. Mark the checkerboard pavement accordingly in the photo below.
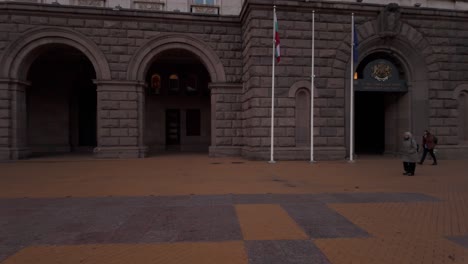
(195, 209)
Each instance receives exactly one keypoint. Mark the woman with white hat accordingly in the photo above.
(409, 154)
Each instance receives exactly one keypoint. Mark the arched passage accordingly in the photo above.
(51, 73)
(61, 102)
(179, 108)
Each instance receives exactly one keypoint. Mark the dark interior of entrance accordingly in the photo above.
(370, 122)
(178, 104)
(61, 102)
(380, 113)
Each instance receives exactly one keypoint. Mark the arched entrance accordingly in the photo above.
(178, 104)
(61, 102)
(381, 104)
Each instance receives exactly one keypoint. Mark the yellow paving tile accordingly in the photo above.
(394, 250)
(267, 222)
(176, 253)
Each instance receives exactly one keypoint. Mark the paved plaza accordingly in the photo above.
(195, 209)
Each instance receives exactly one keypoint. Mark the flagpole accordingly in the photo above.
(312, 85)
(273, 88)
(351, 105)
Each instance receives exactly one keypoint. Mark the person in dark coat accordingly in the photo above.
(429, 142)
(409, 154)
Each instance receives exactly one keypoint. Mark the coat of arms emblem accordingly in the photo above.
(381, 72)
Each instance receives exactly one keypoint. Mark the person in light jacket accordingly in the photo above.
(409, 154)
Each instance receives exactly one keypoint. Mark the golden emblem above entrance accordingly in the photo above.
(379, 75)
(381, 72)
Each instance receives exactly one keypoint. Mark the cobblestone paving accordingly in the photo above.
(188, 210)
(191, 218)
(461, 240)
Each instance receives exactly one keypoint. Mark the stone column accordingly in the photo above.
(120, 112)
(13, 134)
(226, 122)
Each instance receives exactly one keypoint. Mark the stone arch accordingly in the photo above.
(409, 41)
(459, 89)
(414, 53)
(460, 94)
(143, 58)
(20, 54)
(299, 85)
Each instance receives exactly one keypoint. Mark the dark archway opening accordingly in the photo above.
(370, 122)
(61, 102)
(178, 104)
(380, 113)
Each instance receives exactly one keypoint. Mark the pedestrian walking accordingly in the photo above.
(409, 154)
(429, 141)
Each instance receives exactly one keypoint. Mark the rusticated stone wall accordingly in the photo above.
(237, 54)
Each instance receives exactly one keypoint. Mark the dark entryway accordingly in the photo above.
(177, 104)
(381, 105)
(172, 126)
(370, 122)
(61, 102)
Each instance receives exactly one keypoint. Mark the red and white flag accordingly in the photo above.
(277, 40)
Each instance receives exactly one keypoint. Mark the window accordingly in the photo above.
(463, 117)
(173, 83)
(204, 2)
(302, 118)
(100, 3)
(193, 122)
(191, 87)
(155, 84)
(204, 7)
(153, 5)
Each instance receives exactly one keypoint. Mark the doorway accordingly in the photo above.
(370, 122)
(177, 104)
(172, 127)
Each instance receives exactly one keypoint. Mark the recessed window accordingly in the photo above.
(192, 85)
(155, 84)
(173, 83)
(302, 118)
(463, 117)
(204, 2)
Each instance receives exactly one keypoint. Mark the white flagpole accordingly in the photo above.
(351, 105)
(312, 85)
(273, 88)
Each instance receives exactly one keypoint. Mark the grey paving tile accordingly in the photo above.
(460, 240)
(284, 252)
(253, 198)
(73, 220)
(380, 198)
(319, 221)
(202, 223)
(7, 251)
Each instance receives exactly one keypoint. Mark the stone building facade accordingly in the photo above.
(128, 83)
